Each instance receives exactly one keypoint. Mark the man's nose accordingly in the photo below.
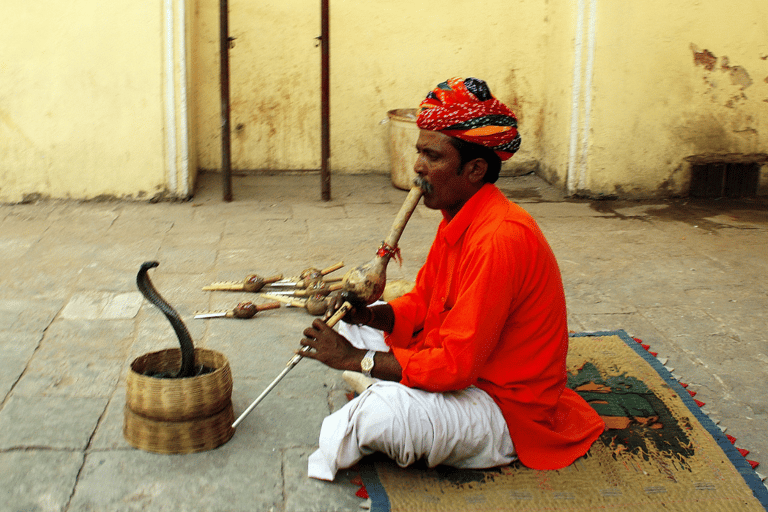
(418, 166)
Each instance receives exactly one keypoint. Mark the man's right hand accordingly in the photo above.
(359, 314)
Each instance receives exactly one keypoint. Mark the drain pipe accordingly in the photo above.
(226, 159)
(581, 110)
(575, 97)
(170, 99)
(325, 110)
(176, 108)
(183, 82)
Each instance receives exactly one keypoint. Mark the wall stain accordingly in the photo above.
(521, 193)
(739, 75)
(708, 215)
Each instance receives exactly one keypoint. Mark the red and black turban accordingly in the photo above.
(466, 109)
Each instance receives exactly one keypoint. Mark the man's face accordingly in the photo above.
(439, 163)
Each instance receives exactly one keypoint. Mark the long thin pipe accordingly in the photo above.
(325, 110)
(293, 362)
(588, 74)
(571, 180)
(183, 97)
(226, 161)
(581, 109)
(170, 99)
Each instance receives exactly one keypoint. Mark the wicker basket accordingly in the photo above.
(178, 415)
(179, 436)
(178, 399)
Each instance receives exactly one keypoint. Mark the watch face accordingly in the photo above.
(367, 364)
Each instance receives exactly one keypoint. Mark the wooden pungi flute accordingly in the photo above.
(365, 282)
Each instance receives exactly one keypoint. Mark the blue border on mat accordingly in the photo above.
(376, 492)
(737, 459)
(380, 501)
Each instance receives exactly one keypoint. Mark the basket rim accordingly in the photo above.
(218, 369)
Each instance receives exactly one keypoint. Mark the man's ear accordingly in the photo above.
(476, 170)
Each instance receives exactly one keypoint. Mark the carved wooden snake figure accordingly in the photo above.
(187, 368)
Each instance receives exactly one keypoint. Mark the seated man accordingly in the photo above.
(476, 351)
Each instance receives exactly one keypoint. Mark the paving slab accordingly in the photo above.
(63, 423)
(25, 315)
(80, 358)
(92, 305)
(226, 479)
(39, 480)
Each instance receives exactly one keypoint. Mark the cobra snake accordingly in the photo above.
(188, 367)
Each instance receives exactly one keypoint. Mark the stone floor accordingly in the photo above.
(686, 277)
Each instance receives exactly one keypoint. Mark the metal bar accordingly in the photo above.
(325, 110)
(217, 314)
(264, 393)
(293, 362)
(226, 149)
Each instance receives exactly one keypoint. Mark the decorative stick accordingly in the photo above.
(332, 268)
(319, 288)
(252, 283)
(242, 310)
(289, 301)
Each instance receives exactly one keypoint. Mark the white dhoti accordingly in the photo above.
(463, 429)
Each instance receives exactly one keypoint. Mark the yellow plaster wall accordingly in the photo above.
(91, 105)
(80, 99)
(274, 84)
(672, 81)
(384, 55)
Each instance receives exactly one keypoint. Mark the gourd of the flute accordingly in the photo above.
(245, 310)
(311, 274)
(316, 304)
(367, 281)
(254, 282)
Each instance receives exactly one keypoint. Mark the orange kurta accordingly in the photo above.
(488, 310)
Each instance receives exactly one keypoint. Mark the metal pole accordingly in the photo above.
(325, 133)
(293, 362)
(226, 162)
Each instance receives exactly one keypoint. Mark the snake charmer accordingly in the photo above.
(468, 368)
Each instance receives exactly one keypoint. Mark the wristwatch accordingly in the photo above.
(367, 363)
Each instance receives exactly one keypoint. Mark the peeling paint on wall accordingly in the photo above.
(718, 90)
(703, 58)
